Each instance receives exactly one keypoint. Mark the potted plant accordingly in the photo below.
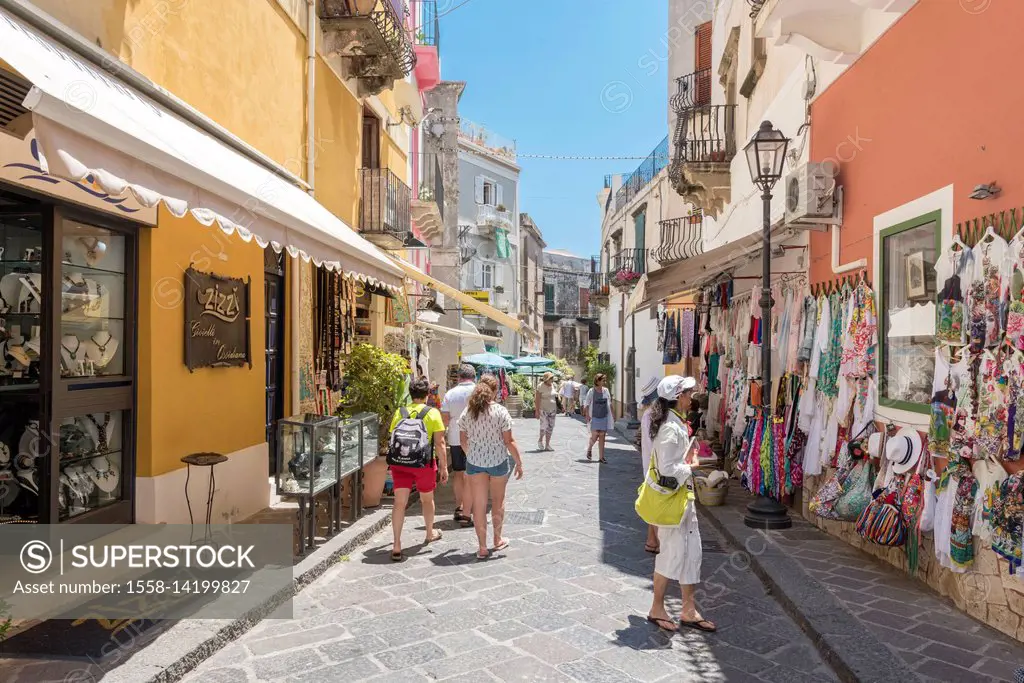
(501, 207)
(374, 383)
(498, 289)
(625, 278)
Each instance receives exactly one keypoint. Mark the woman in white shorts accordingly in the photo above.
(680, 555)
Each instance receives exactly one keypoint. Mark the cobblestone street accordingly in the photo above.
(565, 602)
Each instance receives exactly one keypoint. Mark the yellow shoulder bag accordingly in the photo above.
(659, 505)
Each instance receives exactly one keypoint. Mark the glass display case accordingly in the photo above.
(307, 454)
(22, 459)
(21, 298)
(90, 456)
(369, 426)
(350, 457)
(93, 289)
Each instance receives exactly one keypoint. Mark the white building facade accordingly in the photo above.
(489, 229)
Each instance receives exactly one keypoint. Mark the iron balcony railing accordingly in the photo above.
(643, 175)
(574, 310)
(432, 182)
(706, 135)
(427, 31)
(756, 6)
(628, 264)
(383, 51)
(681, 238)
(383, 207)
(486, 139)
(599, 287)
(692, 90)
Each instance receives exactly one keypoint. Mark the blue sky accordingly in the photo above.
(585, 77)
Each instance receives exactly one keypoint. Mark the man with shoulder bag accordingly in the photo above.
(417, 436)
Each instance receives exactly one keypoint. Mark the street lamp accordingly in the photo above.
(766, 153)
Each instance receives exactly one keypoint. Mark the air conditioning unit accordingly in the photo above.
(812, 196)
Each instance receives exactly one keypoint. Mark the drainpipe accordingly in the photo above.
(622, 354)
(846, 267)
(310, 94)
(76, 43)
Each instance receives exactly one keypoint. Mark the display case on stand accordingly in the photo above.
(308, 451)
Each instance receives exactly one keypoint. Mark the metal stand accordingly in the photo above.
(765, 513)
(202, 460)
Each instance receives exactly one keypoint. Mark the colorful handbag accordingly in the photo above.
(824, 501)
(856, 493)
(882, 522)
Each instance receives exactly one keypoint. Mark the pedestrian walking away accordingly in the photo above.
(486, 428)
(598, 411)
(674, 455)
(417, 436)
(568, 393)
(547, 409)
(452, 407)
(648, 395)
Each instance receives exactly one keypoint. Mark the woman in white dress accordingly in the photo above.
(675, 455)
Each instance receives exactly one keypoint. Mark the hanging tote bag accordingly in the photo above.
(882, 522)
(659, 504)
(824, 501)
(856, 493)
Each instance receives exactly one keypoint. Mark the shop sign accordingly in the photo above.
(481, 295)
(216, 321)
(20, 167)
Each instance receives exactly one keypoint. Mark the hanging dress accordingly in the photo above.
(953, 270)
(986, 291)
(993, 405)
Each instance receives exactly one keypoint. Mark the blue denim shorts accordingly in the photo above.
(502, 470)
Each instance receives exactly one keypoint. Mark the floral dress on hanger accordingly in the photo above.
(986, 292)
(993, 405)
(954, 270)
(1013, 368)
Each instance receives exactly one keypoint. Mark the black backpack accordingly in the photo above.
(410, 444)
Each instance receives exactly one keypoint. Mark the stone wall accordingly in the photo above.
(988, 592)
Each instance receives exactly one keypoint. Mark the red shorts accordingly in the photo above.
(425, 478)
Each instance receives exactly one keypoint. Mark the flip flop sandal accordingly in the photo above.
(397, 557)
(660, 623)
(466, 522)
(504, 544)
(654, 550)
(589, 457)
(702, 625)
(481, 558)
(435, 539)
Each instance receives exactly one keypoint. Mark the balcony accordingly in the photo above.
(627, 267)
(426, 42)
(600, 290)
(636, 181)
(491, 217)
(478, 136)
(427, 208)
(681, 238)
(383, 208)
(371, 36)
(705, 144)
(836, 31)
(692, 90)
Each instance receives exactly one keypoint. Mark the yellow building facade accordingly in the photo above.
(245, 65)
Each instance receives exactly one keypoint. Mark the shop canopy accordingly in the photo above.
(692, 273)
(91, 126)
(480, 307)
(532, 361)
(454, 332)
(489, 360)
(536, 371)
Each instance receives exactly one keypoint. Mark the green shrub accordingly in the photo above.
(375, 382)
(524, 389)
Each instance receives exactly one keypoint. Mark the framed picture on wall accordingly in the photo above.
(916, 285)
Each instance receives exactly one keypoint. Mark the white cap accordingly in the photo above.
(672, 386)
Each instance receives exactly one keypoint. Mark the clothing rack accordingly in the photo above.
(837, 285)
(1006, 224)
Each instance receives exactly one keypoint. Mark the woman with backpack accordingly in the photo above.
(673, 457)
(417, 437)
(598, 410)
(486, 433)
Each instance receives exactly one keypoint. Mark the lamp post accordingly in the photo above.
(766, 153)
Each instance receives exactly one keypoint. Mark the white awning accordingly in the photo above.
(91, 125)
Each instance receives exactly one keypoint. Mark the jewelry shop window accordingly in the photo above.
(908, 253)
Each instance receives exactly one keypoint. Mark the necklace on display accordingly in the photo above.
(73, 354)
(102, 347)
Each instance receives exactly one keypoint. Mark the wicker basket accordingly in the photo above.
(710, 497)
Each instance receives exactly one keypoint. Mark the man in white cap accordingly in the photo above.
(648, 394)
(674, 456)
